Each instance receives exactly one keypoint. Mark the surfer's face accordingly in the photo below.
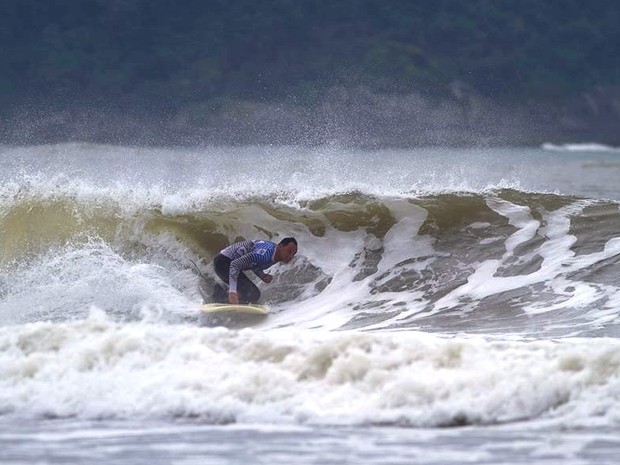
(287, 252)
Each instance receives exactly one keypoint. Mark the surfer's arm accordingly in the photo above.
(245, 262)
(259, 263)
(248, 261)
(264, 277)
(260, 273)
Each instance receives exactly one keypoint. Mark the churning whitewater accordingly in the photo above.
(432, 287)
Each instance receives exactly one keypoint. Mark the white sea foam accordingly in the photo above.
(65, 281)
(99, 369)
(584, 147)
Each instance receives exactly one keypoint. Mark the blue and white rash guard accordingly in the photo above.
(248, 255)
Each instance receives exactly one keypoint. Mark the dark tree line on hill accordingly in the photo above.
(162, 54)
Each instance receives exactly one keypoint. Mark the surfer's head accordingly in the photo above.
(286, 250)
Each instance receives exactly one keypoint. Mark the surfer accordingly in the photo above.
(254, 255)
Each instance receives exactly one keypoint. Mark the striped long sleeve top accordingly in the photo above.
(248, 255)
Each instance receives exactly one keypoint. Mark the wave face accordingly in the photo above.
(500, 261)
(412, 291)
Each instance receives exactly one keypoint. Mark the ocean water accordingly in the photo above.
(446, 306)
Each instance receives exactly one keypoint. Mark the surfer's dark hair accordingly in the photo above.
(288, 240)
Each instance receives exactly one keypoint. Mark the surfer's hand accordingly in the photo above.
(267, 278)
(233, 298)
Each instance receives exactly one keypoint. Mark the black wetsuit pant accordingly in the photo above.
(247, 290)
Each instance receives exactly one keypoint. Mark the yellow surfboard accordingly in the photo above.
(251, 309)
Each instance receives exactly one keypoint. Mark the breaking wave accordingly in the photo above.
(407, 304)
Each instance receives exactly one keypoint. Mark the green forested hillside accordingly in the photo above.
(164, 53)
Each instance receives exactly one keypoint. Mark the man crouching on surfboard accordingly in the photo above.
(248, 255)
